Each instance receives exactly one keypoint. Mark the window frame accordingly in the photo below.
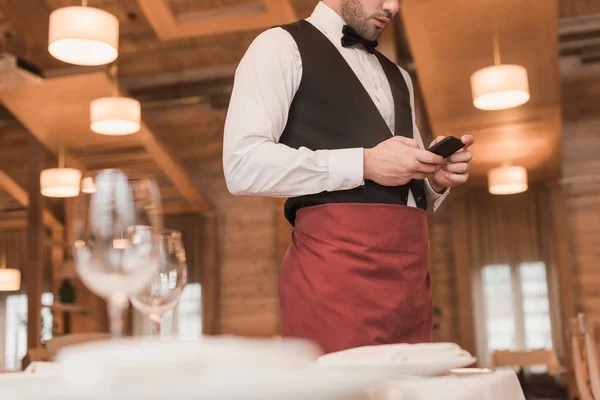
(479, 308)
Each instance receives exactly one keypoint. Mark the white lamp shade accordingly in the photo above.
(83, 36)
(87, 185)
(500, 87)
(508, 179)
(10, 280)
(115, 116)
(60, 182)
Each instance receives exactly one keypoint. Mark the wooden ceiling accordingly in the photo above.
(180, 65)
(447, 51)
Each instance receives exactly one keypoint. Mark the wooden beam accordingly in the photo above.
(178, 207)
(34, 278)
(18, 193)
(168, 27)
(174, 170)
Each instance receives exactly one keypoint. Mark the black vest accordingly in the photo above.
(332, 110)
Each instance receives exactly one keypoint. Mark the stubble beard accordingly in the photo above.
(353, 15)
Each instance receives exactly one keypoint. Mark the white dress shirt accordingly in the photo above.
(266, 80)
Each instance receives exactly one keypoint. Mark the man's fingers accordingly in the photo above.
(428, 168)
(459, 168)
(467, 140)
(460, 156)
(456, 178)
(428, 157)
(437, 139)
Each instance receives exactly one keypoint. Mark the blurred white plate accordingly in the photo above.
(416, 369)
(427, 359)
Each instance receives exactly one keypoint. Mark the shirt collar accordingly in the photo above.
(327, 21)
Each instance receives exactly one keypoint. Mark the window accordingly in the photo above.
(184, 321)
(515, 307)
(15, 338)
(15, 346)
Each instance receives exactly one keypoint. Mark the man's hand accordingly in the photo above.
(455, 169)
(397, 160)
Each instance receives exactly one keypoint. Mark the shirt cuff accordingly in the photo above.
(345, 169)
(434, 199)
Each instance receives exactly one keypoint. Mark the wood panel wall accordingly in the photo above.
(247, 258)
(576, 8)
(246, 225)
(581, 171)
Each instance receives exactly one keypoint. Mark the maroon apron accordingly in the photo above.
(357, 275)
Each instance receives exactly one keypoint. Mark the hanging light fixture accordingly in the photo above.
(60, 182)
(88, 185)
(10, 279)
(507, 179)
(116, 115)
(83, 35)
(500, 86)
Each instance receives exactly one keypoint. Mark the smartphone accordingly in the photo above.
(447, 146)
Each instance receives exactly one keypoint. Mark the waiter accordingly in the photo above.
(319, 116)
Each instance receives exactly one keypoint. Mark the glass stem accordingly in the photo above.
(155, 322)
(117, 306)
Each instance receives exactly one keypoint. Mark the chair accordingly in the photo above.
(523, 359)
(545, 385)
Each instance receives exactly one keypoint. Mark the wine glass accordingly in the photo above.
(167, 283)
(117, 234)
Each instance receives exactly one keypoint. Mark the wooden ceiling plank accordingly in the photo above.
(31, 20)
(42, 110)
(15, 190)
(167, 27)
(528, 36)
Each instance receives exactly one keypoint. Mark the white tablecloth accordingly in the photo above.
(500, 385)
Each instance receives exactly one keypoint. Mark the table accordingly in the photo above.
(500, 385)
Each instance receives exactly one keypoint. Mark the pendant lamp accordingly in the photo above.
(60, 182)
(88, 185)
(507, 179)
(83, 35)
(10, 279)
(501, 86)
(115, 115)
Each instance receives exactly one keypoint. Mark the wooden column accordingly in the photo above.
(34, 277)
(211, 281)
(464, 274)
(564, 275)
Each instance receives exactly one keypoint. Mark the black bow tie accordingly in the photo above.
(351, 38)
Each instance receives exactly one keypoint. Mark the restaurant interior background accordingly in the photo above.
(510, 271)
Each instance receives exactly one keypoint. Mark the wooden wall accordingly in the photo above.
(581, 170)
(246, 225)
